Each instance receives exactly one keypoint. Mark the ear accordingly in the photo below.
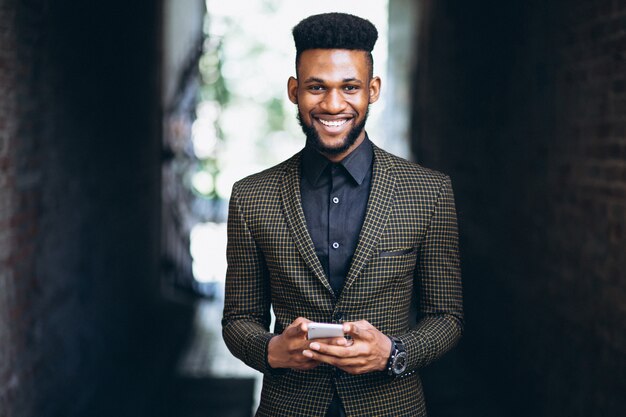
(374, 89)
(292, 90)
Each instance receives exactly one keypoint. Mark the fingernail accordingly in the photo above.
(314, 346)
(307, 353)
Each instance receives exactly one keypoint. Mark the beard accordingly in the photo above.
(314, 140)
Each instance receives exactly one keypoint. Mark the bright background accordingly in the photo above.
(245, 121)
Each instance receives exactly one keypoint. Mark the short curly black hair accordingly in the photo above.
(335, 31)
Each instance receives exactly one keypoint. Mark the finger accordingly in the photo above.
(344, 351)
(304, 327)
(343, 342)
(302, 322)
(292, 331)
(298, 327)
(331, 360)
(351, 365)
(361, 330)
(351, 329)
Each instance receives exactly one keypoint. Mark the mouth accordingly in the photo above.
(333, 123)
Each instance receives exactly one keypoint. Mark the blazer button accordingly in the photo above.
(338, 316)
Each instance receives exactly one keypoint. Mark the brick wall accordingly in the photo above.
(524, 104)
(79, 207)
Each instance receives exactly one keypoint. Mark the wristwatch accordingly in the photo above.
(398, 358)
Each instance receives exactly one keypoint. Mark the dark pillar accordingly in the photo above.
(524, 104)
(79, 206)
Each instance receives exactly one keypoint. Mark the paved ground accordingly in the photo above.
(209, 380)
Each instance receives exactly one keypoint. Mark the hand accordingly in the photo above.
(368, 351)
(285, 350)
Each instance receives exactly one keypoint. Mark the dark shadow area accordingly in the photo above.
(205, 396)
(522, 103)
(453, 388)
(84, 329)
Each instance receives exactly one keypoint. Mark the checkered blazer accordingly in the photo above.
(408, 247)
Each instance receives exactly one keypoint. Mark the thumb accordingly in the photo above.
(352, 329)
(298, 327)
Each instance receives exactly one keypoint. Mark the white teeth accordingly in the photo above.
(333, 123)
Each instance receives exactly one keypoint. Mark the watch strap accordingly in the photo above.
(396, 347)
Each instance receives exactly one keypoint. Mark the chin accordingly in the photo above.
(336, 145)
(331, 148)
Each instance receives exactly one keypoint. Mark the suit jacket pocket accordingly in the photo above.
(391, 265)
(384, 254)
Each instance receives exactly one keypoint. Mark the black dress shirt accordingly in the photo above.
(334, 199)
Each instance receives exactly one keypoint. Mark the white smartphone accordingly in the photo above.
(324, 330)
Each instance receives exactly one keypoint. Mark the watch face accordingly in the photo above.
(399, 364)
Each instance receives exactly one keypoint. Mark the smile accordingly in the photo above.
(333, 123)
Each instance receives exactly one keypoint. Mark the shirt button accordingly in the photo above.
(335, 245)
(335, 200)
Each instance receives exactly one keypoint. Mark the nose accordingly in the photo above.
(333, 102)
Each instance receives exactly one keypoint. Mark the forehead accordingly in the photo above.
(333, 63)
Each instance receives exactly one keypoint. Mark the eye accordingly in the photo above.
(351, 88)
(315, 88)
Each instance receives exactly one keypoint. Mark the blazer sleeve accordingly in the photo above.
(438, 283)
(246, 318)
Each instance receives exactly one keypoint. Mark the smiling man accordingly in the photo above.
(346, 233)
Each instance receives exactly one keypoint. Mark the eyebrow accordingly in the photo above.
(319, 80)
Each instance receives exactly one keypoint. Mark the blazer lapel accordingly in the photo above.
(292, 203)
(376, 216)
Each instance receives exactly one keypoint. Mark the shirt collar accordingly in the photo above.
(357, 163)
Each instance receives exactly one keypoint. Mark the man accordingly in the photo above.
(342, 232)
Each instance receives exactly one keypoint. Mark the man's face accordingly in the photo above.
(333, 92)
